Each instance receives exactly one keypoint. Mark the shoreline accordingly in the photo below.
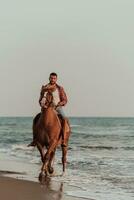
(16, 185)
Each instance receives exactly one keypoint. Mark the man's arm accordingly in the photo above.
(63, 97)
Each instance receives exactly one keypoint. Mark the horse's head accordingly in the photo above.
(49, 99)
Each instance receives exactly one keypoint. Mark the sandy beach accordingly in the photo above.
(16, 189)
(14, 186)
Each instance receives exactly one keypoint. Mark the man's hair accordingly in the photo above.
(53, 74)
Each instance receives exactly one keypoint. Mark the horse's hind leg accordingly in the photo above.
(64, 157)
(41, 148)
(64, 146)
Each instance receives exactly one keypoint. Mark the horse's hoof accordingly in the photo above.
(50, 170)
(43, 178)
(41, 175)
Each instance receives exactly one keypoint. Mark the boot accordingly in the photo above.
(33, 144)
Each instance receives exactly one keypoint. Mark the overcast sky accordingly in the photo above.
(88, 43)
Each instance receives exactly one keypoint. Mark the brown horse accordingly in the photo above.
(48, 133)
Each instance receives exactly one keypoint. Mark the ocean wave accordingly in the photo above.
(8, 124)
(8, 141)
(80, 132)
(80, 165)
(107, 147)
(4, 150)
(128, 148)
(75, 125)
(99, 147)
(36, 160)
(21, 147)
(99, 133)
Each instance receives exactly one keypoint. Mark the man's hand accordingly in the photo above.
(59, 104)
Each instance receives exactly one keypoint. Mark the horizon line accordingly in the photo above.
(72, 116)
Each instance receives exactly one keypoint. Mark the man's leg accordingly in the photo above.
(65, 125)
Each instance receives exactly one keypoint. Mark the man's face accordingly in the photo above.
(53, 79)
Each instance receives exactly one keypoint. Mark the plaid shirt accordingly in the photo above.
(62, 94)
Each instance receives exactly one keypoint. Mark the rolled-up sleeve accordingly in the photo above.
(63, 97)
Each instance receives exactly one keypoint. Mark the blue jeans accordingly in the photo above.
(60, 111)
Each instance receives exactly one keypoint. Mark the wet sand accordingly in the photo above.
(16, 189)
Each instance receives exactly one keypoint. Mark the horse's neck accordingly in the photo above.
(49, 116)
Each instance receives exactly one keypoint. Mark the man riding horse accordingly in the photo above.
(51, 127)
(59, 100)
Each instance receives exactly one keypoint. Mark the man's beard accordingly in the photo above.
(52, 83)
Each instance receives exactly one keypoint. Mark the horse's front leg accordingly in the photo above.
(50, 168)
(47, 157)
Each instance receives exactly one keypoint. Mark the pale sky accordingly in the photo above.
(88, 43)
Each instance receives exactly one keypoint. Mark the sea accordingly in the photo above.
(100, 160)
